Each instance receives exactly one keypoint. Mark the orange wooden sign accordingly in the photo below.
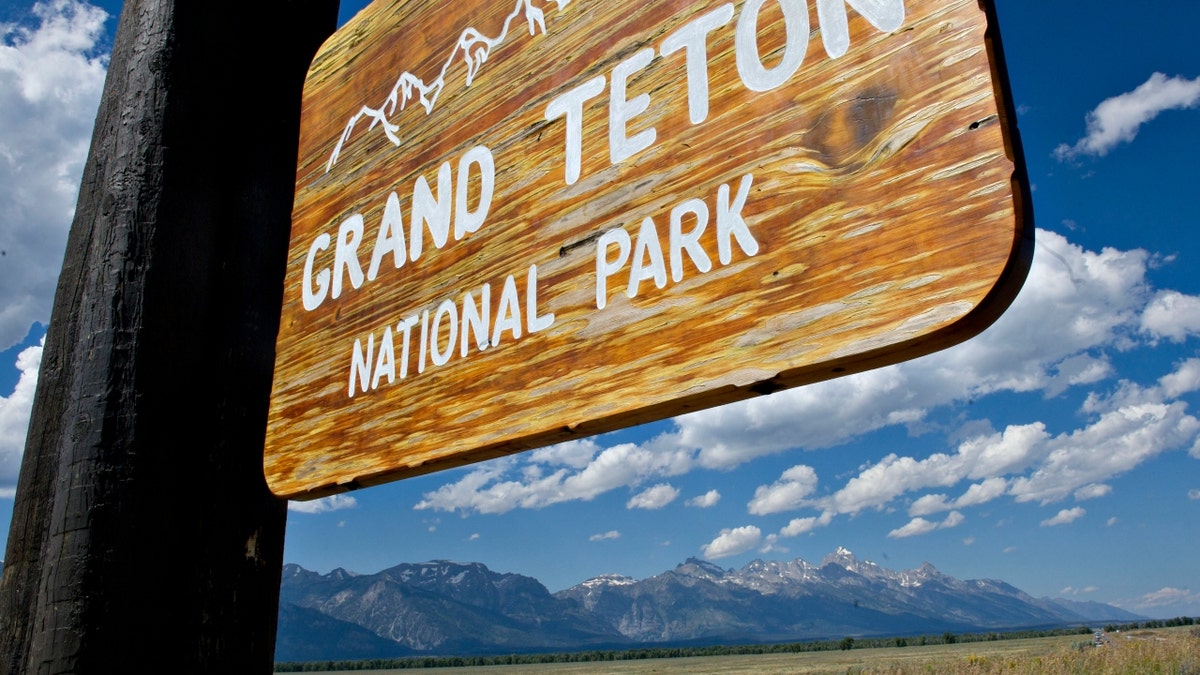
(519, 222)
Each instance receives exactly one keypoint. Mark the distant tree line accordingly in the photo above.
(1156, 623)
(712, 650)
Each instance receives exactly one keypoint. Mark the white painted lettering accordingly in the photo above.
(570, 105)
(311, 298)
(754, 74)
(389, 239)
(692, 37)
(886, 15)
(730, 222)
(405, 329)
(424, 352)
(689, 241)
(606, 268)
(360, 364)
(386, 364)
(647, 259)
(621, 110)
(533, 322)
(466, 220)
(345, 255)
(448, 310)
(433, 212)
(508, 314)
(476, 320)
(455, 325)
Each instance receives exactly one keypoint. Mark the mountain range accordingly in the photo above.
(449, 608)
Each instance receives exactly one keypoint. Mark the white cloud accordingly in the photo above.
(732, 542)
(1093, 491)
(929, 504)
(1112, 521)
(976, 494)
(1169, 601)
(799, 526)
(605, 536)
(982, 493)
(1117, 120)
(1173, 316)
(486, 490)
(50, 84)
(786, 494)
(653, 497)
(1193, 494)
(14, 416)
(575, 454)
(1184, 380)
(706, 500)
(1135, 428)
(324, 504)
(919, 526)
(916, 526)
(1065, 517)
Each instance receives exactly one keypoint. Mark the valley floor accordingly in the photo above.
(1140, 652)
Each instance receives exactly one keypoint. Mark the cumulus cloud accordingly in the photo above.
(787, 494)
(706, 500)
(1184, 380)
(799, 526)
(929, 504)
(654, 497)
(324, 504)
(605, 536)
(1193, 494)
(489, 489)
(1169, 601)
(1117, 120)
(919, 526)
(14, 418)
(1172, 316)
(573, 454)
(731, 542)
(1093, 491)
(51, 78)
(1065, 517)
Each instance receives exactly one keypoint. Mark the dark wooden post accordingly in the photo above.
(143, 536)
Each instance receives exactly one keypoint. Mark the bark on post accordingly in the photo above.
(143, 535)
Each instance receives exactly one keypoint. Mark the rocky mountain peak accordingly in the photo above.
(605, 580)
(702, 569)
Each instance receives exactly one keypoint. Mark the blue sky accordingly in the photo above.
(1058, 451)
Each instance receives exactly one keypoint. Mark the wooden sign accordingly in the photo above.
(519, 222)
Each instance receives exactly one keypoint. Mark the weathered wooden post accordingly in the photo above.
(143, 534)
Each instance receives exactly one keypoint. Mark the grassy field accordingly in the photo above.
(1167, 651)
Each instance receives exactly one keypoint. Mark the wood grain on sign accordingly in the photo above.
(857, 210)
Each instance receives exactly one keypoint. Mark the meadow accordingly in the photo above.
(1173, 651)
